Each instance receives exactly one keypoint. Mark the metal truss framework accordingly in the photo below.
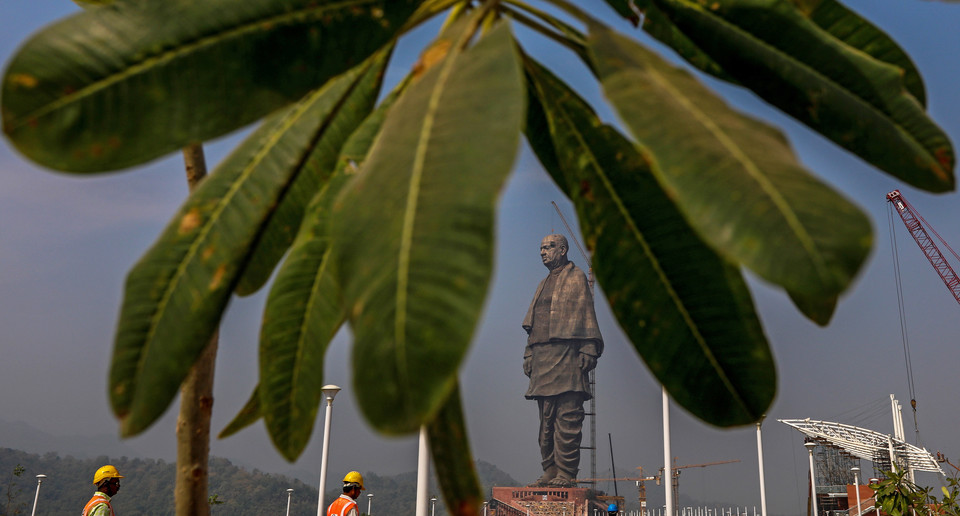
(866, 444)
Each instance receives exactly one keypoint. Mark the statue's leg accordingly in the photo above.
(567, 436)
(548, 409)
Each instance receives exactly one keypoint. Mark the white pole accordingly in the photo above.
(423, 470)
(369, 503)
(856, 486)
(813, 477)
(763, 489)
(289, 494)
(433, 506)
(667, 469)
(37, 496)
(329, 391)
(893, 412)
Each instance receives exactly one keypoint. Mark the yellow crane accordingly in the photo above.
(675, 484)
(641, 480)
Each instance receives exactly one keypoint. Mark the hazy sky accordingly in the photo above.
(67, 242)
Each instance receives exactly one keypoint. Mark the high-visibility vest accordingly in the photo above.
(342, 506)
(98, 498)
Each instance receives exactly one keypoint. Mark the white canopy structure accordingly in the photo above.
(867, 444)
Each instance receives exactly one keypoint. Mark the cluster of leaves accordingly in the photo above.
(897, 495)
(382, 214)
(11, 506)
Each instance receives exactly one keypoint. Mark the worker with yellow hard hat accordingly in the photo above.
(346, 504)
(107, 480)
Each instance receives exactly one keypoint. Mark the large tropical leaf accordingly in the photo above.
(683, 307)
(176, 294)
(857, 32)
(662, 28)
(626, 9)
(735, 179)
(248, 415)
(450, 448)
(414, 230)
(303, 313)
(345, 115)
(120, 85)
(304, 309)
(858, 101)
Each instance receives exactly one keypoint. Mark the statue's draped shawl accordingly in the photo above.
(554, 352)
(572, 315)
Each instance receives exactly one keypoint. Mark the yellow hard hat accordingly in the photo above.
(107, 471)
(354, 478)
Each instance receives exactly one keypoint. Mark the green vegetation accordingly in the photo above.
(147, 489)
(898, 496)
(382, 216)
(12, 506)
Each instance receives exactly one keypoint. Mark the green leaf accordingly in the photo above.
(734, 178)
(450, 448)
(625, 9)
(303, 314)
(840, 91)
(855, 31)
(660, 27)
(346, 113)
(176, 294)
(818, 310)
(682, 306)
(414, 230)
(304, 309)
(248, 415)
(123, 84)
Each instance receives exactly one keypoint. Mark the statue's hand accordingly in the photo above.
(527, 365)
(587, 362)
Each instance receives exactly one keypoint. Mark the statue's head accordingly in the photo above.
(553, 251)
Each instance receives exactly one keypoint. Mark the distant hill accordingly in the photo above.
(147, 488)
(21, 436)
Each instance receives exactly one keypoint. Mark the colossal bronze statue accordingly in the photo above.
(563, 345)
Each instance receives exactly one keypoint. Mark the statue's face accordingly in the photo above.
(552, 252)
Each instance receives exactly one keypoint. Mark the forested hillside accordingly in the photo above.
(147, 489)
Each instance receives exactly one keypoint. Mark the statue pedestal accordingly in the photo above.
(540, 501)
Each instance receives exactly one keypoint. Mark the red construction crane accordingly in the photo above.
(912, 220)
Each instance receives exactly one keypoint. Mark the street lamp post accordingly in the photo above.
(369, 503)
(37, 496)
(329, 391)
(813, 477)
(289, 494)
(856, 485)
(763, 489)
(423, 472)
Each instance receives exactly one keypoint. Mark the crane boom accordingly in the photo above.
(912, 220)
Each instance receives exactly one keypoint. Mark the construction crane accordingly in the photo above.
(641, 486)
(641, 480)
(915, 226)
(675, 484)
(912, 219)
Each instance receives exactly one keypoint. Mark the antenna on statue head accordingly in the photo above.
(573, 236)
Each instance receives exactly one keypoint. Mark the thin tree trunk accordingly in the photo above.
(196, 400)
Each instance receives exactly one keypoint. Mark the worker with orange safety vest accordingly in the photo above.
(107, 480)
(346, 504)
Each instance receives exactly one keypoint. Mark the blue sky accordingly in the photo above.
(66, 243)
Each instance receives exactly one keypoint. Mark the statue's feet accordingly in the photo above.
(543, 481)
(562, 481)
